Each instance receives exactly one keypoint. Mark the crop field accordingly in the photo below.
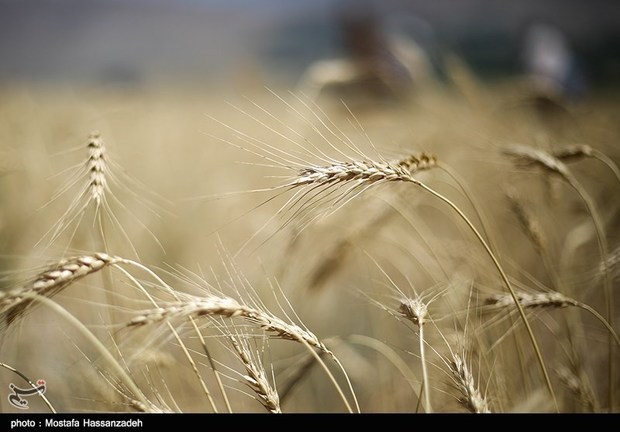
(178, 250)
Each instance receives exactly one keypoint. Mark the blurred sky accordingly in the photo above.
(223, 42)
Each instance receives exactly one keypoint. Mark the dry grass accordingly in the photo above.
(293, 221)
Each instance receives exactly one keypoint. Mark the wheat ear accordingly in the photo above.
(94, 189)
(507, 283)
(548, 300)
(530, 156)
(15, 302)
(229, 308)
(471, 398)
(197, 307)
(575, 385)
(581, 151)
(178, 338)
(371, 173)
(96, 167)
(256, 378)
(364, 171)
(534, 231)
(415, 310)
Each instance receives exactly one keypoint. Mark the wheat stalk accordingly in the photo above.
(256, 378)
(96, 171)
(507, 283)
(332, 260)
(364, 171)
(178, 338)
(96, 167)
(14, 303)
(229, 308)
(196, 307)
(471, 398)
(371, 173)
(577, 152)
(528, 300)
(574, 152)
(575, 385)
(96, 183)
(547, 300)
(531, 156)
(530, 225)
(415, 310)
(317, 184)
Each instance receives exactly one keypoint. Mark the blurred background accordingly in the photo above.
(236, 44)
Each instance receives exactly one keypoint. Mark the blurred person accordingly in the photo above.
(550, 64)
(379, 65)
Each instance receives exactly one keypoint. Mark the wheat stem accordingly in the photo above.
(608, 290)
(122, 374)
(205, 389)
(506, 282)
(554, 165)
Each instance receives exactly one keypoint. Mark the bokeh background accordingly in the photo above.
(240, 43)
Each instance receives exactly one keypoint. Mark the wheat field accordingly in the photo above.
(180, 250)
